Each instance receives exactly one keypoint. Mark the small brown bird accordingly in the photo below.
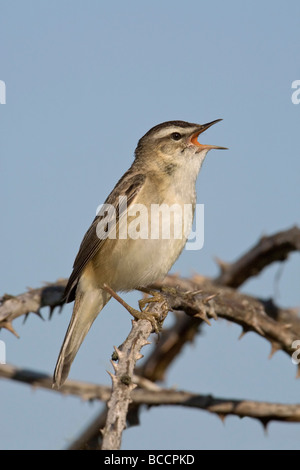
(126, 251)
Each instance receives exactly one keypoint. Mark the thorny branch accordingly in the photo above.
(198, 298)
(201, 298)
(152, 395)
(185, 328)
(122, 382)
(12, 307)
(267, 250)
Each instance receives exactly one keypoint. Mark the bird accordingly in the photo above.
(167, 161)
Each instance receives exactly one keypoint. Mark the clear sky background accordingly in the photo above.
(85, 80)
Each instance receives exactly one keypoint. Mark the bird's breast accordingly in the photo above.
(150, 236)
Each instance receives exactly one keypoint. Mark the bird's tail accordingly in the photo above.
(87, 306)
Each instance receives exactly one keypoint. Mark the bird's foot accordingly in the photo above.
(159, 316)
(152, 317)
(156, 297)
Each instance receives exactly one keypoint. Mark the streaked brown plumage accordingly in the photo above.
(167, 161)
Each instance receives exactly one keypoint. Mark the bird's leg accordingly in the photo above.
(138, 315)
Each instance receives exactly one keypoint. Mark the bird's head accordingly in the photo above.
(174, 143)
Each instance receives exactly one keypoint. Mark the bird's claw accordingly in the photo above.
(143, 315)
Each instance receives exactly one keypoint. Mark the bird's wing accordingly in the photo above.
(128, 186)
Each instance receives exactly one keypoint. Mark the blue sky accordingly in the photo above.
(84, 81)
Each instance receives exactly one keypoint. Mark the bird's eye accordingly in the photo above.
(176, 136)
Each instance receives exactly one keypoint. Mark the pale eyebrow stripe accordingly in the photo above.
(169, 130)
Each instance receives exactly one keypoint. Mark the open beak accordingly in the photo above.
(202, 128)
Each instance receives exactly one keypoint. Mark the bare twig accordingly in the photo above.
(169, 346)
(122, 384)
(12, 307)
(268, 249)
(185, 328)
(250, 313)
(122, 381)
(181, 294)
(204, 300)
(263, 411)
(86, 391)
